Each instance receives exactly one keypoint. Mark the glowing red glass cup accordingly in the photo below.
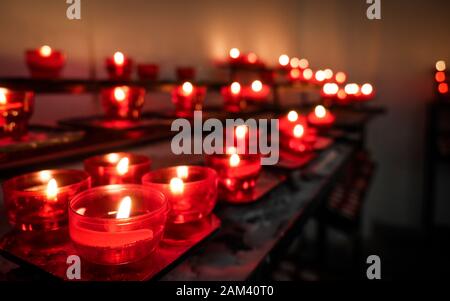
(257, 92)
(233, 99)
(295, 133)
(117, 224)
(119, 67)
(190, 190)
(185, 74)
(117, 168)
(38, 201)
(16, 108)
(321, 117)
(45, 62)
(123, 102)
(187, 98)
(236, 172)
(148, 71)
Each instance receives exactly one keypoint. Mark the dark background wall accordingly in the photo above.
(396, 53)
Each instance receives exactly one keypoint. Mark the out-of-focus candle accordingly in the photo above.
(16, 108)
(38, 201)
(257, 92)
(330, 90)
(284, 61)
(123, 102)
(340, 77)
(117, 224)
(321, 117)
(190, 190)
(45, 62)
(187, 98)
(232, 97)
(119, 66)
(295, 133)
(117, 168)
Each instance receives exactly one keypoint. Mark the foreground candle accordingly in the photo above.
(123, 102)
(119, 66)
(117, 168)
(188, 98)
(16, 108)
(38, 201)
(45, 62)
(117, 224)
(190, 190)
(236, 172)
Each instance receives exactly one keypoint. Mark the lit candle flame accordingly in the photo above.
(320, 111)
(52, 189)
(119, 58)
(231, 150)
(330, 88)
(122, 166)
(295, 73)
(45, 51)
(176, 185)
(283, 60)
(113, 158)
(351, 89)
(182, 172)
(292, 116)
(120, 94)
(235, 88)
(234, 160)
(241, 131)
(234, 53)
(3, 92)
(257, 86)
(320, 75)
(303, 63)
(295, 62)
(328, 73)
(187, 88)
(340, 77)
(45, 175)
(307, 74)
(298, 131)
(124, 208)
(366, 89)
(440, 65)
(252, 58)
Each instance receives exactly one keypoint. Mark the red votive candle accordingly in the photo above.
(45, 62)
(148, 71)
(16, 108)
(123, 102)
(366, 92)
(190, 190)
(257, 92)
(233, 100)
(119, 66)
(38, 201)
(185, 74)
(117, 224)
(321, 117)
(295, 133)
(188, 98)
(237, 172)
(117, 168)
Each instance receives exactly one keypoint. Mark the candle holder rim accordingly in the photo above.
(164, 207)
(9, 186)
(210, 174)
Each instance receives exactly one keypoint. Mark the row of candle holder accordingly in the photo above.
(123, 217)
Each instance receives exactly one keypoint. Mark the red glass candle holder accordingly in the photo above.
(295, 135)
(233, 99)
(236, 172)
(117, 168)
(188, 98)
(185, 74)
(148, 72)
(38, 201)
(119, 67)
(190, 190)
(16, 108)
(257, 92)
(45, 62)
(117, 224)
(123, 102)
(321, 117)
